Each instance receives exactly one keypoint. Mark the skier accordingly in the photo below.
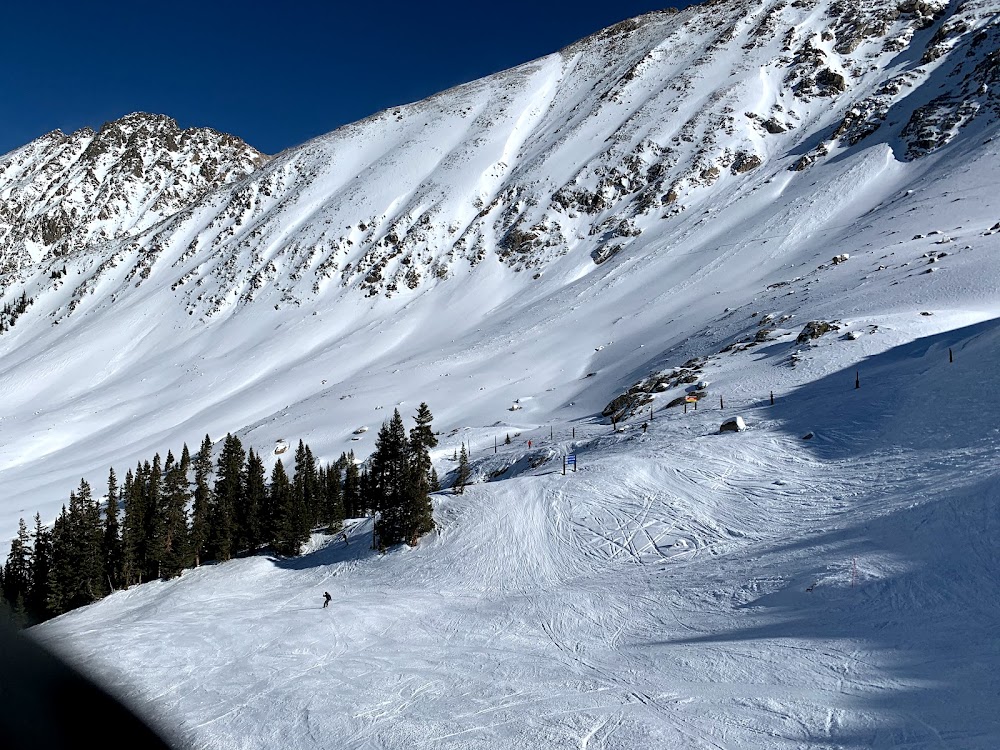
(326, 599)
(644, 426)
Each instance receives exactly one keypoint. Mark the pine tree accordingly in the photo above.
(91, 545)
(352, 488)
(175, 547)
(202, 502)
(390, 477)
(463, 473)
(288, 522)
(133, 534)
(41, 563)
(333, 498)
(60, 569)
(367, 502)
(76, 573)
(316, 488)
(252, 511)
(17, 574)
(419, 518)
(155, 523)
(306, 485)
(227, 494)
(112, 547)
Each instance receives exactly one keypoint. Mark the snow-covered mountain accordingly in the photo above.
(63, 194)
(659, 208)
(665, 159)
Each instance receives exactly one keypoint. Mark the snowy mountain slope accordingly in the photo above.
(247, 310)
(683, 588)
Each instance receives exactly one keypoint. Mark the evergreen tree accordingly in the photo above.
(352, 488)
(133, 533)
(252, 512)
(315, 488)
(202, 502)
(367, 502)
(305, 484)
(390, 477)
(463, 473)
(41, 563)
(76, 572)
(155, 522)
(112, 547)
(288, 514)
(419, 518)
(174, 549)
(17, 574)
(227, 494)
(90, 545)
(333, 498)
(60, 584)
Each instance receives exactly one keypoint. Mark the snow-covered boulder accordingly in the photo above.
(736, 424)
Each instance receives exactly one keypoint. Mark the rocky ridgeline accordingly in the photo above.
(581, 153)
(64, 193)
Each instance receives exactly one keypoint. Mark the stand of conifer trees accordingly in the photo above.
(400, 480)
(171, 514)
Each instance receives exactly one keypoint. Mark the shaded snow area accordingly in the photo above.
(684, 588)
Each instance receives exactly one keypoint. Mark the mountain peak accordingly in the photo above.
(63, 193)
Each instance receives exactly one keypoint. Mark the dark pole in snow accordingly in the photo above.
(950, 357)
(494, 443)
(721, 404)
(857, 379)
(564, 465)
(574, 433)
(772, 398)
(550, 432)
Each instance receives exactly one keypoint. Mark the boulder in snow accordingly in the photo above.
(816, 328)
(736, 424)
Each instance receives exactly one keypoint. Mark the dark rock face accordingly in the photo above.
(814, 329)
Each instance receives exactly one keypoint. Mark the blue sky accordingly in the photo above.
(274, 74)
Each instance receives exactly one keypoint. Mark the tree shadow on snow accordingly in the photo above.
(335, 550)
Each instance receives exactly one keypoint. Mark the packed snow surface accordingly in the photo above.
(683, 588)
